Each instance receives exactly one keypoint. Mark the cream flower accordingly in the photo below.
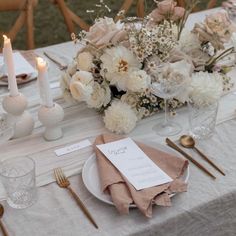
(130, 98)
(81, 85)
(80, 91)
(175, 79)
(120, 118)
(188, 41)
(100, 96)
(216, 29)
(117, 64)
(138, 81)
(84, 77)
(84, 61)
(206, 88)
(106, 31)
(71, 70)
(167, 9)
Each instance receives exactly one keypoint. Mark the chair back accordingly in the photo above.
(71, 18)
(25, 9)
(14, 5)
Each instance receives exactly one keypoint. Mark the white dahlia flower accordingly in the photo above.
(206, 88)
(120, 118)
(117, 64)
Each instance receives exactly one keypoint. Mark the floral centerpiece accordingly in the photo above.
(118, 61)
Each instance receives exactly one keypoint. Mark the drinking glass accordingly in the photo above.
(167, 88)
(202, 120)
(18, 178)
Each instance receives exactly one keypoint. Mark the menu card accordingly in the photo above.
(134, 164)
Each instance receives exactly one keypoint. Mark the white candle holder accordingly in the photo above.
(17, 117)
(50, 117)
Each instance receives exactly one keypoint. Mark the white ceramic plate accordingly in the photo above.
(20, 80)
(92, 181)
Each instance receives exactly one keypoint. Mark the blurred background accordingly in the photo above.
(49, 25)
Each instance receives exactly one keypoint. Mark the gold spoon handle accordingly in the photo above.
(209, 161)
(5, 233)
(201, 167)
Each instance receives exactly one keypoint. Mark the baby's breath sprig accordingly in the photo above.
(100, 9)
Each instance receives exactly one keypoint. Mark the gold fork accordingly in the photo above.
(63, 182)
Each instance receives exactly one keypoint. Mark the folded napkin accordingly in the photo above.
(123, 193)
(24, 68)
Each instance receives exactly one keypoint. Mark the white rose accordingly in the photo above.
(101, 96)
(138, 81)
(84, 61)
(80, 91)
(84, 77)
(106, 31)
(81, 85)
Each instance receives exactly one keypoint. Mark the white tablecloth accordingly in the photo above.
(208, 208)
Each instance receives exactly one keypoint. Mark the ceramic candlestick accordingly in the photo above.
(50, 117)
(16, 116)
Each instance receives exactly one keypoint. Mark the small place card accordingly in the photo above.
(73, 148)
(134, 164)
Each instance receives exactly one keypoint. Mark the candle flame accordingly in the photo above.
(40, 61)
(5, 37)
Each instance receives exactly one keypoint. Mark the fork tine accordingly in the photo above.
(56, 175)
(63, 178)
(59, 171)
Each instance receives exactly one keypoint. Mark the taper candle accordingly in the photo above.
(44, 86)
(9, 62)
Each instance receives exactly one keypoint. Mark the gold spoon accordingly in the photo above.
(188, 142)
(1, 224)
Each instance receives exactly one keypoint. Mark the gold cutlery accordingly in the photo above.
(1, 224)
(56, 60)
(200, 166)
(188, 142)
(63, 182)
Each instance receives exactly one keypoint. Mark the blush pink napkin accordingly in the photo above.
(123, 193)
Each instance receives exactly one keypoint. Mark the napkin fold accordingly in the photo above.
(123, 193)
(24, 67)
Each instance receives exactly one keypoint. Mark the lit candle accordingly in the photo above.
(44, 87)
(9, 63)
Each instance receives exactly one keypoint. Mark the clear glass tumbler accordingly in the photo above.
(202, 120)
(18, 178)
